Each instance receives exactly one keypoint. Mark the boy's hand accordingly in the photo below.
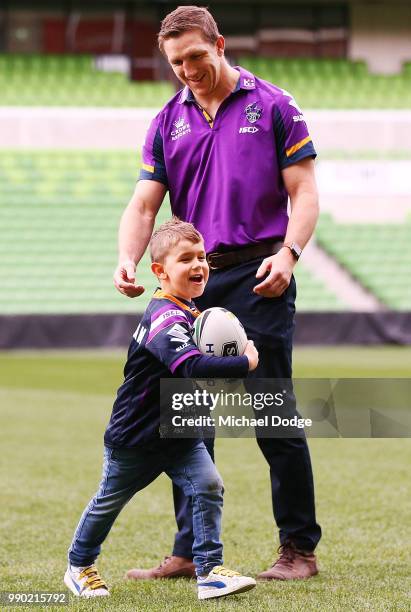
(124, 279)
(252, 355)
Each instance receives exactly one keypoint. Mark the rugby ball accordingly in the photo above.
(218, 332)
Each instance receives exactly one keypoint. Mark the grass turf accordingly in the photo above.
(54, 408)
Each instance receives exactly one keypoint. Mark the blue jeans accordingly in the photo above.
(127, 471)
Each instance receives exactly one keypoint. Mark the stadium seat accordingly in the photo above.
(334, 83)
(383, 271)
(72, 80)
(59, 213)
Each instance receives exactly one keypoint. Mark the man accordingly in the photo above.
(230, 148)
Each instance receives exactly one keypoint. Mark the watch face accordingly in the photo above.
(297, 249)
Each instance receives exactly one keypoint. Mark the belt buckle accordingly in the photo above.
(210, 258)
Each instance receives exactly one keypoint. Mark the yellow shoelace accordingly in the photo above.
(223, 571)
(94, 581)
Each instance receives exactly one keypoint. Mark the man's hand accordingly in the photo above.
(136, 228)
(280, 268)
(124, 279)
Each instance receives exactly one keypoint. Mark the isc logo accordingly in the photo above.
(248, 129)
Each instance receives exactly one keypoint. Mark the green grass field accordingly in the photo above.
(54, 408)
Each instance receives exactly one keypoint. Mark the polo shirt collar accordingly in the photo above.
(246, 81)
(186, 95)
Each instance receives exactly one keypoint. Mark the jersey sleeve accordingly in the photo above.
(293, 140)
(206, 366)
(169, 338)
(153, 166)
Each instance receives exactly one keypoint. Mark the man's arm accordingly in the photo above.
(299, 180)
(136, 227)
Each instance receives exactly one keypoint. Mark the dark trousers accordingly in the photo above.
(269, 322)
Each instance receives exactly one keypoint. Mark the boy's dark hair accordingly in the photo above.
(186, 18)
(168, 235)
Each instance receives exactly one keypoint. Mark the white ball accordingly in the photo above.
(218, 332)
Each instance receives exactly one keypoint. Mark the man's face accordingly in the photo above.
(185, 270)
(195, 61)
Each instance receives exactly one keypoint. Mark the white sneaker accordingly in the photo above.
(85, 581)
(222, 581)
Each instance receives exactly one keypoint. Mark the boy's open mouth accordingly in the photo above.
(196, 278)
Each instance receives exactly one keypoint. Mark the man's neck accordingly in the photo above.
(228, 81)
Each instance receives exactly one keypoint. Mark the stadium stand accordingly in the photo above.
(73, 80)
(377, 255)
(312, 294)
(60, 212)
(334, 83)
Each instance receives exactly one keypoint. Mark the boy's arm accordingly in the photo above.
(203, 366)
(171, 342)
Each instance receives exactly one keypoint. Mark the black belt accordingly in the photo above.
(217, 260)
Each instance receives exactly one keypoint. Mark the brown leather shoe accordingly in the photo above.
(292, 564)
(170, 567)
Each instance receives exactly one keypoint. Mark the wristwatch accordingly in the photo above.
(295, 249)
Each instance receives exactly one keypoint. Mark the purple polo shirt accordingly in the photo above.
(225, 178)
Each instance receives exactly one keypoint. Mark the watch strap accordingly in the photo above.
(295, 249)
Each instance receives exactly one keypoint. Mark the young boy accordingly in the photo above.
(134, 454)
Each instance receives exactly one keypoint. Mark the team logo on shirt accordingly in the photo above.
(253, 112)
(182, 127)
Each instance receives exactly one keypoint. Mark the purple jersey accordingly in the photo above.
(161, 346)
(225, 176)
(161, 342)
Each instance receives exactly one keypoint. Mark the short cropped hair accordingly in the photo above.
(186, 18)
(168, 235)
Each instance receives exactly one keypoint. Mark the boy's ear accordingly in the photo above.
(158, 269)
